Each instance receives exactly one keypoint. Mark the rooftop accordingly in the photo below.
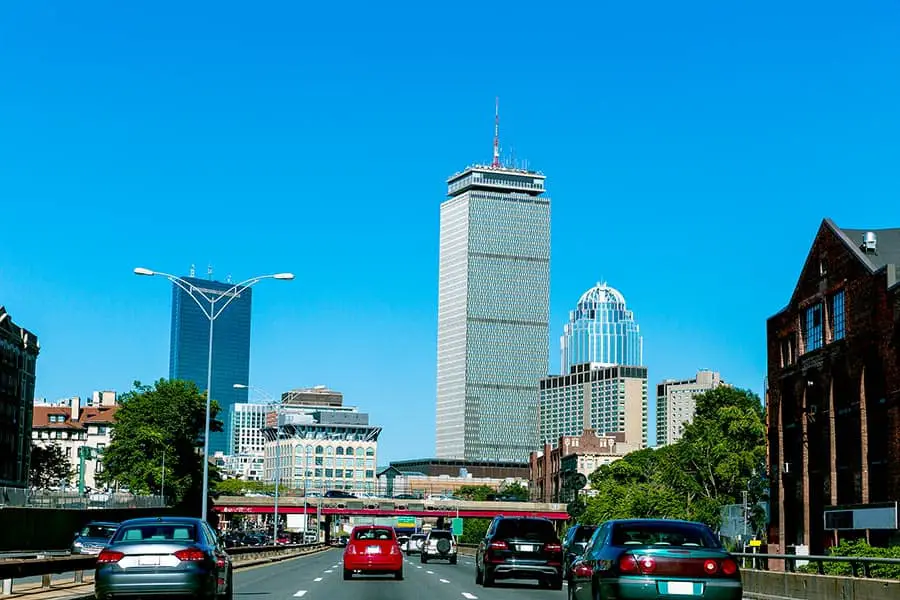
(887, 245)
(100, 415)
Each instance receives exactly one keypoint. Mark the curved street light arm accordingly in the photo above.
(189, 290)
(233, 291)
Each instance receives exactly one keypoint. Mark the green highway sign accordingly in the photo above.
(406, 521)
(457, 526)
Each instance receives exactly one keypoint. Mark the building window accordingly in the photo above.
(837, 315)
(813, 329)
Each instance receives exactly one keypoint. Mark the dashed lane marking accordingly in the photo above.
(444, 581)
(430, 572)
(300, 594)
(329, 571)
(469, 596)
(317, 579)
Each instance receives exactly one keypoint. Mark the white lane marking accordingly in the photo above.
(418, 567)
(329, 571)
(469, 596)
(430, 572)
(444, 581)
(300, 594)
(317, 579)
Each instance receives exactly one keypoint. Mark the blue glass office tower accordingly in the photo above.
(493, 313)
(189, 347)
(601, 330)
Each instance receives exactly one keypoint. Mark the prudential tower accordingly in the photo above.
(493, 312)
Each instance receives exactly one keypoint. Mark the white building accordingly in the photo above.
(245, 429)
(72, 426)
(675, 404)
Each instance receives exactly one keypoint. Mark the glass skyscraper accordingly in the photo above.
(601, 330)
(189, 347)
(493, 313)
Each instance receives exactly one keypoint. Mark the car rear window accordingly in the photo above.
(583, 534)
(176, 532)
(526, 529)
(436, 535)
(98, 531)
(664, 534)
(374, 534)
(418, 536)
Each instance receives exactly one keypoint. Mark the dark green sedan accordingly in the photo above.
(640, 559)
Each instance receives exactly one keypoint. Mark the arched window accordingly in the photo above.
(320, 450)
(329, 451)
(360, 451)
(339, 450)
(370, 451)
(349, 451)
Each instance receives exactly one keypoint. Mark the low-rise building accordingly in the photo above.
(554, 471)
(71, 426)
(676, 404)
(392, 481)
(19, 350)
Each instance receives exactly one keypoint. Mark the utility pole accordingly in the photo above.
(746, 512)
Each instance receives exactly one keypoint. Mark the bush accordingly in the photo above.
(862, 549)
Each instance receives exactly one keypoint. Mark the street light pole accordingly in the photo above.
(211, 314)
(278, 406)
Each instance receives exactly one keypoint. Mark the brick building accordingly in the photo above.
(548, 469)
(833, 394)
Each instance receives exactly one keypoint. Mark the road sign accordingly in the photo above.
(755, 543)
(406, 521)
(457, 526)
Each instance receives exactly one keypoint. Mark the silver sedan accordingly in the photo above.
(164, 556)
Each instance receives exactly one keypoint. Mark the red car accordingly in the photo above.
(373, 550)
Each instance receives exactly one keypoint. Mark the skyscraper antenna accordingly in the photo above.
(209, 272)
(496, 162)
(193, 270)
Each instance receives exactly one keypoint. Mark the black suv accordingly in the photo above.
(520, 548)
(575, 542)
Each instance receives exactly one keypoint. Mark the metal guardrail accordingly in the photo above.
(760, 562)
(21, 497)
(30, 567)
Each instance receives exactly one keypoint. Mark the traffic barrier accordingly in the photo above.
(46, 567)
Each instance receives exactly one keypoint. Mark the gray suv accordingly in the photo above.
(439, 545)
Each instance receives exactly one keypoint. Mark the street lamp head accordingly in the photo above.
(143, 271)
(285, 276)
(240, 386)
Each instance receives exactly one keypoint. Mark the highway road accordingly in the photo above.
(320, 577)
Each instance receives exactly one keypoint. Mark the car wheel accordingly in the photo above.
(348, 574)
(570, 591)
(399, 575)
(479, 578)
(556, 583)
(452, 560)
(423, 559)
(488, 578)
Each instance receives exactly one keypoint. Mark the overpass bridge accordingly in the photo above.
(388, 507)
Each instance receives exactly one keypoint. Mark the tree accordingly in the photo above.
(474, 493)
(164, 421)
(515, 490)
(720, 455)
(239, 487)
(49, 466)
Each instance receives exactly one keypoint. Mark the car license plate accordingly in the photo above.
(148, 561)
(678, 588)
(526, 548)
(373, 550)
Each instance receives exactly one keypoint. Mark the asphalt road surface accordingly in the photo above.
(320, 577)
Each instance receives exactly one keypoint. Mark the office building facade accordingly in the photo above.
(833, 395)
(245, 429)
(493, 314)
(189, 345)
(19, 349)
(675, 404)
(602, 398)
(601, 330)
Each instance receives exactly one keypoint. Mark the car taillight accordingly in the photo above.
(395, 549)
(108, 557)
(710, 567)
(553, 548)
(499, 546)
(729, 567)
(583, 570)
(628, 564)
(647, 564)
(351, 549)
(190, 555)
(220, 563)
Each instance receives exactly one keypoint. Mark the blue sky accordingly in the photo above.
(690, 152)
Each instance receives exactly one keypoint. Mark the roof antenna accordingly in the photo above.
(496, 163)
(209, 272)
(193, 270)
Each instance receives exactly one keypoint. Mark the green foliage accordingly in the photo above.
(475, 493)
(153, 422)
(862, 549)
(474, 530)
(515, 490)
(239, 487)
(721, 454)
(49, 466)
